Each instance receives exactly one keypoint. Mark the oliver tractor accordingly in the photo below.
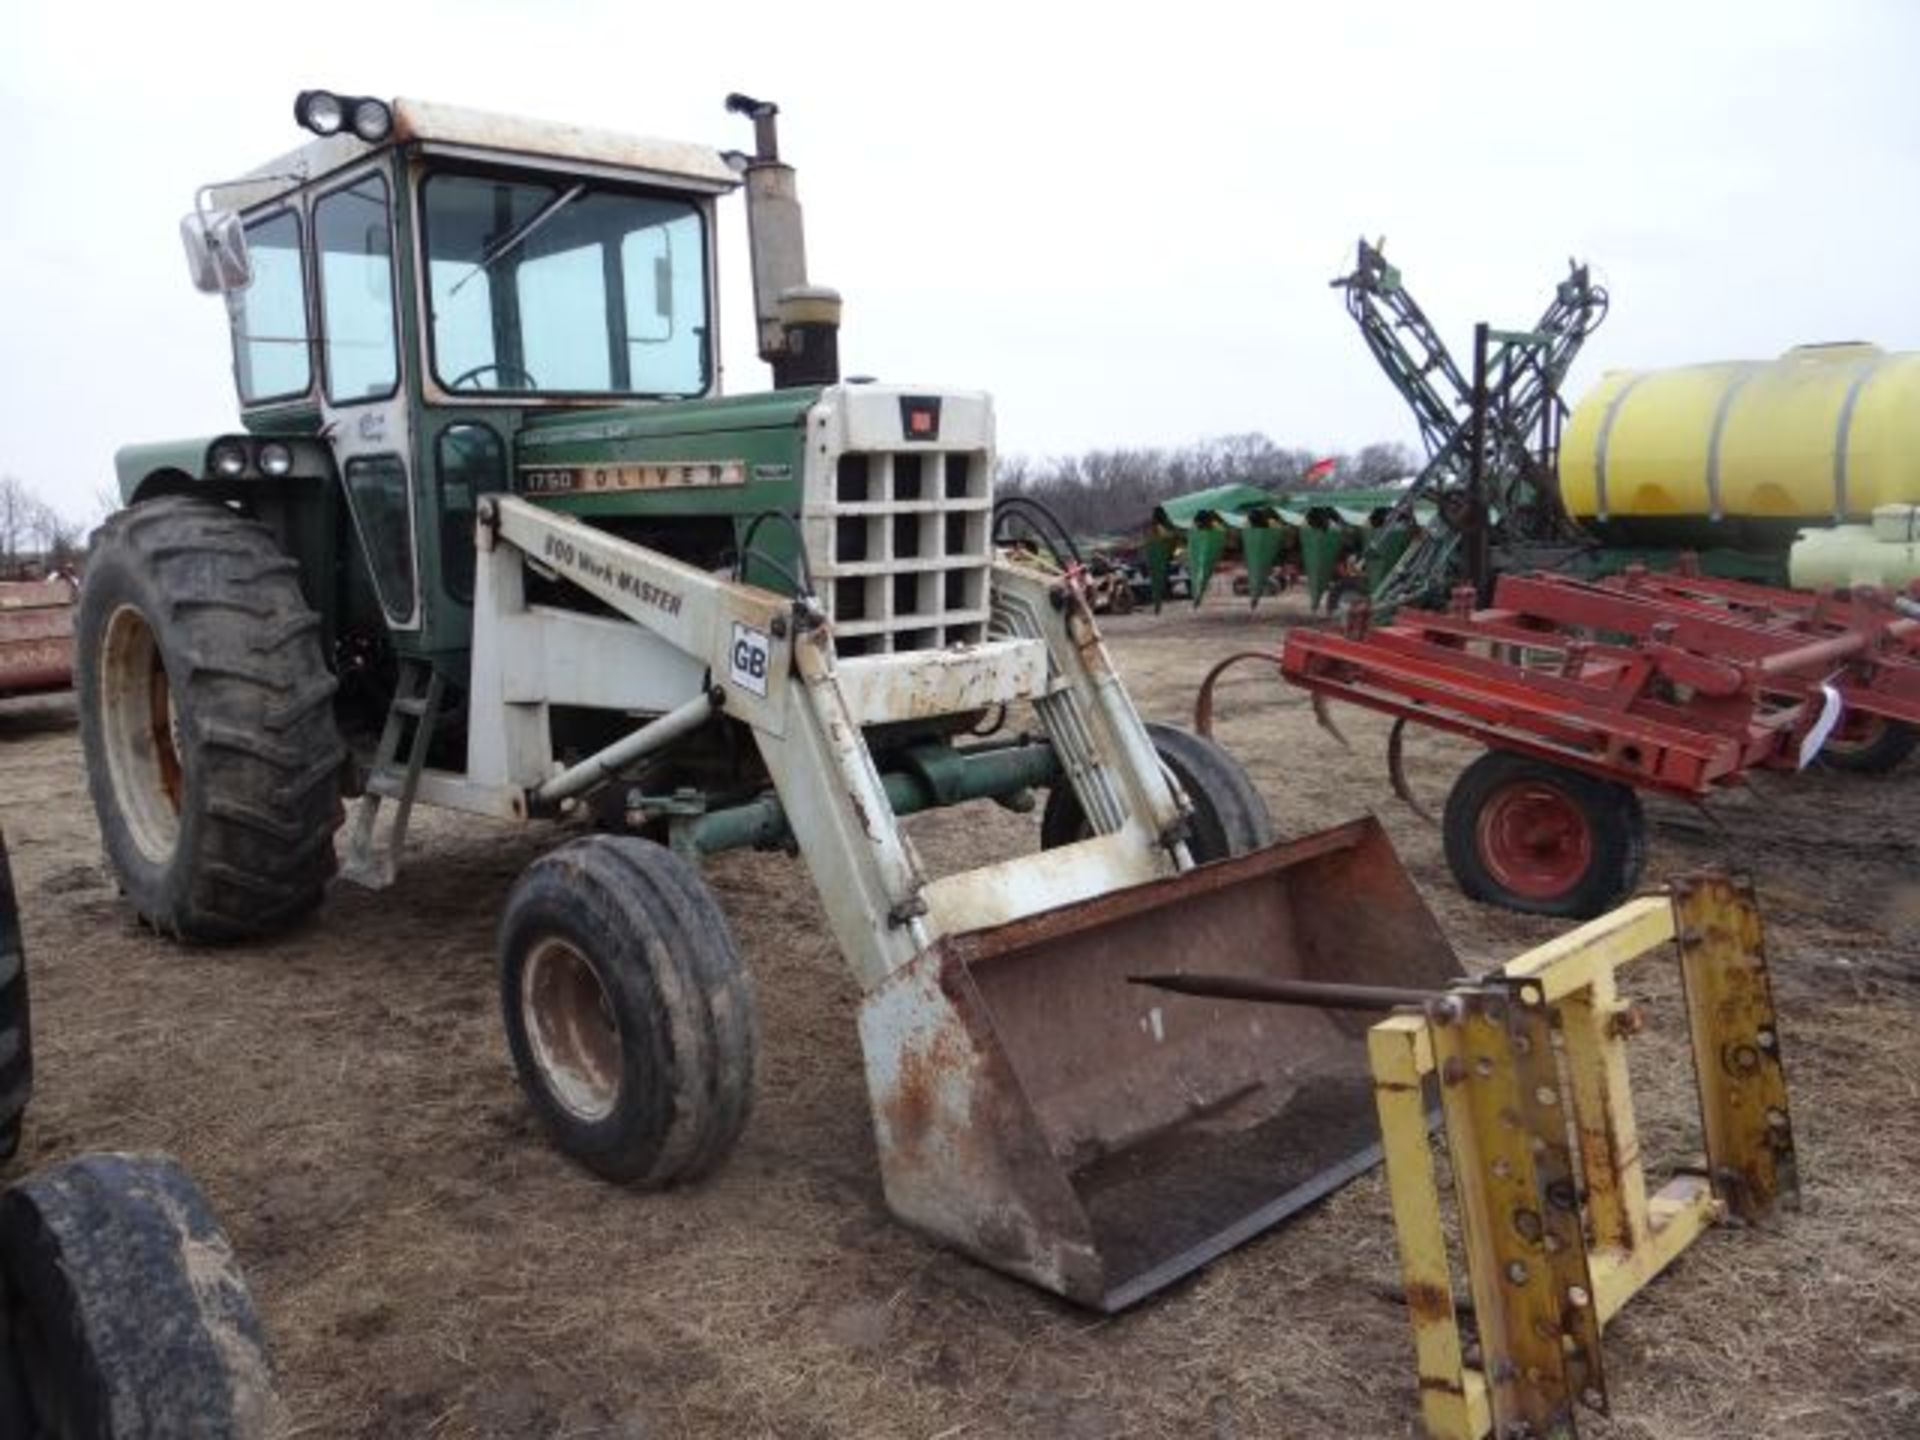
(490, 537)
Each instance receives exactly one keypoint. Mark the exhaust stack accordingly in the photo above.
(799, 323)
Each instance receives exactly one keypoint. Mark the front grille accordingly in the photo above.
(900, 550)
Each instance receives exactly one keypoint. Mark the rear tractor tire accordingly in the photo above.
(206, 716)
(629, 1012)
(1229, 817)
(123, 1314)
(1541, 838)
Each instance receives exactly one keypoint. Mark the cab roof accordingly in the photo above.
(480, 134)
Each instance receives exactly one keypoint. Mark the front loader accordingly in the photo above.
(490, 538)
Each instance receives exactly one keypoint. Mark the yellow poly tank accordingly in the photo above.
(1824, 433)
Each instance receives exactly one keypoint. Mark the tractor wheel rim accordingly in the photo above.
(571, 1030)
(141, 727)
(1534, 840)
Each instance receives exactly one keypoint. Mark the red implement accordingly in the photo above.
(1585, 692)
(1664, 682)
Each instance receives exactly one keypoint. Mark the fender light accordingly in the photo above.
(228, 459)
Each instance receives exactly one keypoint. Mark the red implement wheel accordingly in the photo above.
(1869, 744)
(1540, 838)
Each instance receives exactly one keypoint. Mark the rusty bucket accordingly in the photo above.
(1100, 1139)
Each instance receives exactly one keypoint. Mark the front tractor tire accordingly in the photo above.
(1543, 839)
(629, 1012)
(1228, 816)
(206, 716)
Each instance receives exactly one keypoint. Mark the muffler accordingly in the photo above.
(1101, 1139)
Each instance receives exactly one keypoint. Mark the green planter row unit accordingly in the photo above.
(1319, 533)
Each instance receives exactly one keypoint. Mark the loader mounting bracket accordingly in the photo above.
(1557, 1230)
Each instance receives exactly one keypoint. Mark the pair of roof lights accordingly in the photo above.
(325, 113)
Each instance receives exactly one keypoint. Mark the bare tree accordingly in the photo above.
(1114, 492)
(33, 535)
(1377, 464)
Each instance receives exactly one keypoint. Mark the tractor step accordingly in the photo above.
(409, 727)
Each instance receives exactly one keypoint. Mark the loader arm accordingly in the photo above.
(1030, 1106)
(768, 660)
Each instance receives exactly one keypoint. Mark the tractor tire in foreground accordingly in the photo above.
(629, 1012)
(1541, 838)
(1870, 745)
(16, 1023)
(1229, 817)
(125, 1314)
(206, 715)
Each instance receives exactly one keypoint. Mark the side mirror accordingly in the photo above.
(217, 256)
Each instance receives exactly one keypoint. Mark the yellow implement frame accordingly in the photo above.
(1557, 1229)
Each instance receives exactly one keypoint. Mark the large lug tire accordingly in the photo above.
(1870, 745)
(1229, 817)
(206, 715)
(16, 1027)
(126, 1316)
(629, 1012)
(1543, 839)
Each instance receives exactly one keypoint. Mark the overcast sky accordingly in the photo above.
(1120, 219)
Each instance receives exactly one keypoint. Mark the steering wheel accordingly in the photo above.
(501, 370)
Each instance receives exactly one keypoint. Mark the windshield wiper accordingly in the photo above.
(515, 238)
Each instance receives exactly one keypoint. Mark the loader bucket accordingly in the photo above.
(1102, 1139)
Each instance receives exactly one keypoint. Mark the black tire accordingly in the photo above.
(1876, 746)
(16, 1023)
(629, 1012)
(1229, 817)
(206, 715)
(126, 1315)
(1543, 839)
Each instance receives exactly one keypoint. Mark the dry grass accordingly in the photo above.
(429, 1267)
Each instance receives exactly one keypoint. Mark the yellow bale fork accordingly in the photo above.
(1557, 1229)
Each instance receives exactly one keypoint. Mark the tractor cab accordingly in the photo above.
(419, 284)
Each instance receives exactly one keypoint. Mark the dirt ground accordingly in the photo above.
(429, 1267)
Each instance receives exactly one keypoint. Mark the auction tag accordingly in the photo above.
(748, 659)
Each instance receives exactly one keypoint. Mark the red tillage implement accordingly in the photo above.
(1585, 693)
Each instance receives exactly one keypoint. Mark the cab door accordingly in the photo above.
(363, 389)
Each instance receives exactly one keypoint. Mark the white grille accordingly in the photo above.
(905, 550)
(897, 526)
(899, 547)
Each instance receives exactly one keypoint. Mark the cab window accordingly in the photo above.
(469, 462)
(565, 287)
(377, 491)
(272, 353)
(355, 242)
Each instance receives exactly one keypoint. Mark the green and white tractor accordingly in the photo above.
(490, 537)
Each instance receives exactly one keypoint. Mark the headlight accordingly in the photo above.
(275, 459)
(228, 459)
(320, 111)
(372, 121)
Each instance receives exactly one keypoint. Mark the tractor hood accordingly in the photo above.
(564, 435)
